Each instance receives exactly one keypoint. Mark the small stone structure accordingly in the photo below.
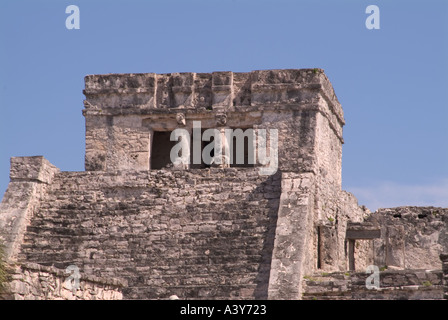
(201, 230)
(412, 237)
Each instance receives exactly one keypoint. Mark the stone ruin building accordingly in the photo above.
(139, 227)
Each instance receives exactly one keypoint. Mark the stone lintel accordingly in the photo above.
(360, 230)
(363, 234)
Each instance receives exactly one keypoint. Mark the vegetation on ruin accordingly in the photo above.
(4, 275)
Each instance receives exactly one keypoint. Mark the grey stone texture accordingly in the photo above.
(123, 111)
(29, 179)
(207, 232)
(31, 281)
(393, 285)
(197, 234)
(412, 237)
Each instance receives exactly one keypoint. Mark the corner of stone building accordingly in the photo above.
(29, 179)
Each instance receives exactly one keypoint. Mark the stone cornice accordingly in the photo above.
(189, 92)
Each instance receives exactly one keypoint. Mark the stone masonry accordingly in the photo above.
(36, 282)
(393, 285)
(199, 230)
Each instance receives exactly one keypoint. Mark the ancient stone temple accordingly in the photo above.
(259, 221)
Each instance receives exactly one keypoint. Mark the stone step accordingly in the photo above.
(115, 224)
(193, 292)
(405, 284)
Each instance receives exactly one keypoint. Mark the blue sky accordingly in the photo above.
(391, 82)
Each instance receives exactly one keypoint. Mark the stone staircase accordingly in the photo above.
(165, 233)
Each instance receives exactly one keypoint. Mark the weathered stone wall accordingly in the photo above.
(207, 90)
(29, 179)
(122, 112)
(328, 148)
(296, 138)
(31, 281)
(195, 234)
(412, 237)
(393, 285)
(334, 209)
(200, 233)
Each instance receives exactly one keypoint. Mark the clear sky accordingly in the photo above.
(392, 82)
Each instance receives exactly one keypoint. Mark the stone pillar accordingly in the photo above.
(328, 247)
(183, 161)
(444, 258)
(222, 99)
(222, 151)
(395, 246)
(351, 254)
(225, 151)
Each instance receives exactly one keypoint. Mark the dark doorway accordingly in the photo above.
(161, 148)
(202, 145)
(240, 157)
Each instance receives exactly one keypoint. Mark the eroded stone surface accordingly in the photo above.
(209, 232)
(36, 282)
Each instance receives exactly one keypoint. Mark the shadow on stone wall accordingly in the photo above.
(273, 184)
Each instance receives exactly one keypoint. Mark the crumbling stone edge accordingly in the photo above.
(444, 258)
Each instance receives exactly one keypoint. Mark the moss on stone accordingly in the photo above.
(4, 274)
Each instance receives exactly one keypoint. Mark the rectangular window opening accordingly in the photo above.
(244, 139)
(239, 150)
(203, 144)
(160, 150)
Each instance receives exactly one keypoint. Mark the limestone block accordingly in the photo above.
(222, 88)
(32, 169)
(395, 246)
(328, 250)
